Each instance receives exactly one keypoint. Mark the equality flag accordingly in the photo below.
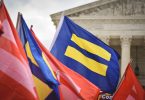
(72, 85)
(87, 55)
(15, 76)
(43, 75)
(129, 88)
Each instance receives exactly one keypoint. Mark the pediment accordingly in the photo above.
(107, 8)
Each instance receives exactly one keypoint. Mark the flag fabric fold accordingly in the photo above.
(87, 55)
(1, 29)
(43, 75)
(15, 75)
(129, 88)
(72, 85)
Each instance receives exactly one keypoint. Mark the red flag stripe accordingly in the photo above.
(11, 67)
(15, 75)
(10, 47)
(9, 89)
(67, 94)
(4, 16)
(8, 32)
(130, 87)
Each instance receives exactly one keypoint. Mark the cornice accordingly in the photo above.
(82, 8)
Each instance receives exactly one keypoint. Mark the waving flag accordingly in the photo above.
(72, 85)
(87, 55)
(1, 29)
(130, 88)
(44, 78)
(15, 76)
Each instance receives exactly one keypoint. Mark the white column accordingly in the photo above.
(104, 38)
(125, 52)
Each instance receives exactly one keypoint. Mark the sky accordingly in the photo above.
(37, 13)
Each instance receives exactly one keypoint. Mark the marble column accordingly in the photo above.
(125, 52)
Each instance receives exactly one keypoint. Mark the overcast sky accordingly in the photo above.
(36, 13)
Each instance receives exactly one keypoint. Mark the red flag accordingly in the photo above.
(1, 29)
(72, 85)
(15, 76)
(130, 88)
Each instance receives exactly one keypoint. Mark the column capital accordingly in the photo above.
(126, 39)
(104, 38)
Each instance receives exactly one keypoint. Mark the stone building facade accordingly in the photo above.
(120, 24)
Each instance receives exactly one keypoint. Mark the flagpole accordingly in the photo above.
(18, 20)
(31, 27)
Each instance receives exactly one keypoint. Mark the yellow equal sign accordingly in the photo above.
(88, 62)
(90, 47)
(42, 88)
(29, 54)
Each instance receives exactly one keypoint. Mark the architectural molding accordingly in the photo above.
(107, 8)
(116, 8)
(107, 20)
(82, 8)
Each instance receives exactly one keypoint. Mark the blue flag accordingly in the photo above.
(87, 55)
(44, 78)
